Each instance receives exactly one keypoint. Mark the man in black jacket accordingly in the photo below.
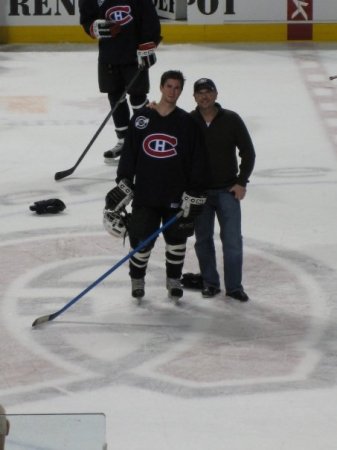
(225, 132)
(128, 32)
(162, 168)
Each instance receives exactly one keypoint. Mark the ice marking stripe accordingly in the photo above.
(321, 90)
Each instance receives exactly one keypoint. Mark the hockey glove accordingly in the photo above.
(102, 29)
(51, 206)
(192, 205)
(119, 196)
(146, 55)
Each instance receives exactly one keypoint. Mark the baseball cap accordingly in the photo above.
(204, 83)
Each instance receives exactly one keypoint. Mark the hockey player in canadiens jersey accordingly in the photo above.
(128, 32)
(162, 169)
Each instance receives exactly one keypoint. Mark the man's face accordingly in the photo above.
(171, 90)
(205, 98)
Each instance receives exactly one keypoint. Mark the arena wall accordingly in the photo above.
(57, 21)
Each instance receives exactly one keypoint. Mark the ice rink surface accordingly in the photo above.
(213, 373)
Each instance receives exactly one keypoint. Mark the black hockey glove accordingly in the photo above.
(102, 29)
(119, 196)
(51, 206)
(192, 205)
(192, 281)
(146, 55)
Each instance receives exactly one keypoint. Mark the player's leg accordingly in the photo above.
(139, 89)
(176, 237)
(111, 81)
(143, 223)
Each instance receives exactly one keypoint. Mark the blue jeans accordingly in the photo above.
(226, 208)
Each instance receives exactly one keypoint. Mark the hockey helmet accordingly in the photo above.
(116, 222)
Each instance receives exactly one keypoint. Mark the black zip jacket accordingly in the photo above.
(138, 20)
(227, 133)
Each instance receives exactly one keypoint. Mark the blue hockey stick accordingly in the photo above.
(48, 318)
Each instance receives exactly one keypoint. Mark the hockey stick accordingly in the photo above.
(50, 317)
(66, 173)
(333, 77)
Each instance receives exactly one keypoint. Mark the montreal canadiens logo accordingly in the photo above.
(119, 14)
(160, 145)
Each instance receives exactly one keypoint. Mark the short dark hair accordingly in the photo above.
(173, 75)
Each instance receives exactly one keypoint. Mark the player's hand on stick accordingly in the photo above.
(192, 205)
(119, 196)
(146, 55)
(102, 29)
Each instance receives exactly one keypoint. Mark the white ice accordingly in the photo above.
(211, 374)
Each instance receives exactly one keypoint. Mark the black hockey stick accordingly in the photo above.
(66, 173)
(52, 316)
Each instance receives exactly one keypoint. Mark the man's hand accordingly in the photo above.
(238, 191)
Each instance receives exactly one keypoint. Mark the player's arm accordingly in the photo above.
(89, 12)
(131, 148)
(148, 23)
(149, 34)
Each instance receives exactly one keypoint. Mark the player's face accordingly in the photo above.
(171, 90)
(205, 98)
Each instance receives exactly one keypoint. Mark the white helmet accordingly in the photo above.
(116, 222)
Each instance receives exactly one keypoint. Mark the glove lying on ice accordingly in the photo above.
(192, 205)
(51, 206)
(102, 29)
(146, 55)
(119, 196)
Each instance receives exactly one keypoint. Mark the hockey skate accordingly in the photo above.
(137, 288)
(112, 156)
(175, 289)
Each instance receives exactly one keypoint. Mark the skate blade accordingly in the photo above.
(111, 161)
(176, 300)
(138, 300)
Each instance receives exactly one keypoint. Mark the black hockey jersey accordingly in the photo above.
(163, 157)
(138, 20)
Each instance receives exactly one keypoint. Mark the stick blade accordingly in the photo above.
(42, 319)
(63, 174)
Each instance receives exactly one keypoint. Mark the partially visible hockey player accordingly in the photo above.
(162, 168)
(128, 32)
(4, 427)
